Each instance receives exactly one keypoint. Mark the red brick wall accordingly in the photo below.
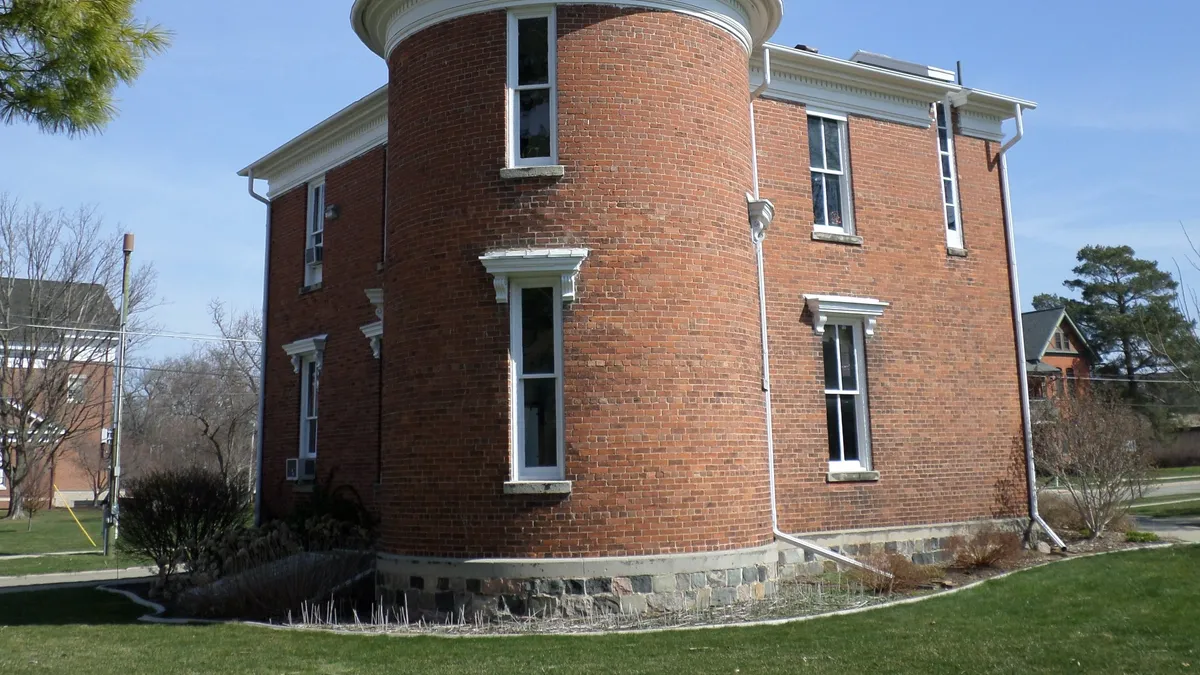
(349, 390)
(942, 378)
(664, 433)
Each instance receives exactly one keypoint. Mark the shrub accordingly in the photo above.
(332, 514)
(988, 547)
(1135, 537)
(168, 513)
(1097, 447)
(1059, 513)
(906, 575)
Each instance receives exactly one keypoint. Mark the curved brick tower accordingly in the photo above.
(626, 225)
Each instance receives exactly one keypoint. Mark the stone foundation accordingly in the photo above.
(440, 587)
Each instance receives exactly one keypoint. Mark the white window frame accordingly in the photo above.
(308, 359)
(859, 392)
(517, 391)
(310, 374)
(514, 89)
(314, 229)
(847, 204)
(942, 112)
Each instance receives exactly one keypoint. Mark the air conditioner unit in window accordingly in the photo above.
(292, 470)
(308, 468)
(313, 255)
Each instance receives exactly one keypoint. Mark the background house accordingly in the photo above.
(1059, 361)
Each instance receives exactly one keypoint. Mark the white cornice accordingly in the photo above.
(827, 307)
(383, 24)
(350, 132)
(977, 125)
(312, 346)
(562, 262)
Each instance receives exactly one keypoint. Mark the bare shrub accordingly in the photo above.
(989, 547)
(1059, 512)
(905, 575)
(1098, 448)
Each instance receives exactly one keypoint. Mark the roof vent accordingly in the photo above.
(907, 67)
(810, 50)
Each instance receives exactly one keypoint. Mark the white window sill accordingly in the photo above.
(860, 476)
(837, 237)
(310, 288)
(537, 487)
(956, 252)
(548, 171)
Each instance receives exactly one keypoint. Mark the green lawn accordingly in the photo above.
(67, 563)
(1178, 472)
(1129, 612)
(1189, 508)
(52, 530)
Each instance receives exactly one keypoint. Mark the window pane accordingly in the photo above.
(831, 422)
(849, 428)
(537, 330)
(818, 194)
(833, 197)
(951, 218)
(833, 146)
(318, 208)
(535, 123)
(945, 166)
(949, 190)
(541, 413)
(829, 348)
(816, 153)
(533, 51)
(311, 397)
(941, 115)
(310, 445)
(848, 364)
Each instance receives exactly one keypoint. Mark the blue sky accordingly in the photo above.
(1109, 156)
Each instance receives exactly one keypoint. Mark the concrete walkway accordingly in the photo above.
(45, 582)
(1184, 528)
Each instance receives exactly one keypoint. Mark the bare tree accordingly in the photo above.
(94, 465)
(200, 409)
(1098, 449)
(58, 274)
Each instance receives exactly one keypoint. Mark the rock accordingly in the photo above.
(1043, 547)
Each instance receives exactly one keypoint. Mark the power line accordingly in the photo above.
(163, 333)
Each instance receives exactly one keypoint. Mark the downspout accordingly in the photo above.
(1022, 370)
(262, 357)
(761, 213)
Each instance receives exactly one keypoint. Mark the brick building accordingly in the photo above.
(63, 379)
(1059, 358)
(623, 308)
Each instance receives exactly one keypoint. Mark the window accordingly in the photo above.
(1061, 342)
(1071, 382)
(954, 237)
(310, 379)
(532, 108)
(75, 388)
(536, 352)
(827, 157)
(314, 251)
(845, 397)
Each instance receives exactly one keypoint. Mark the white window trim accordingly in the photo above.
(541, 262)
(843, 308)
(305, 419)
(848, 226)
(954, 238)
(861, 408)
(313, 271)
(82, 380)
(514, 158)
(304, 352)
(521, 473)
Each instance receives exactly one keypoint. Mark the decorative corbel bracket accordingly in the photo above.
(761, 212)
(300, 349)
(832, 307)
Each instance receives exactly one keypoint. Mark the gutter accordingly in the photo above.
(761, 212)
(1035, 518)
(262, 356)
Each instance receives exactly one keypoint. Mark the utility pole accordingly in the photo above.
(112, 523)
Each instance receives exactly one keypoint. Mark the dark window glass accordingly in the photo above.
(818, 195)
(829, 348)
(533, 51)
(833, 197)
(951, 218)
(833, 145)
(537, 330)
(816, 154)
(831, 421)
(849, 365)
(535, 123)
(943, 141)
(945, 166)
(949, 187)
(849, 428)
(541, 413)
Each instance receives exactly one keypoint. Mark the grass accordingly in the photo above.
(86, 562)
(1127, 612)
(52, 530)
(1180, 510)
(1178, 472)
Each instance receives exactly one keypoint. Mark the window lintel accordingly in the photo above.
(561, 262)
(832, 307)
(311, 346)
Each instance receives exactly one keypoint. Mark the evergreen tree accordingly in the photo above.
(1127, 311)
(60, 60)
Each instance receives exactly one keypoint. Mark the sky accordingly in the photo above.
(1108, 156)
